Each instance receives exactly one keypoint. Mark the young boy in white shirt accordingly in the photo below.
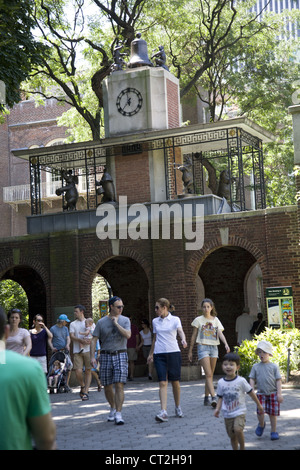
(231, 392)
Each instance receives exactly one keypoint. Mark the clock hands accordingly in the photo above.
(129, 101)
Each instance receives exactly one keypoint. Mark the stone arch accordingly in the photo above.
(136, 304)
(32, 276)
(224, 286)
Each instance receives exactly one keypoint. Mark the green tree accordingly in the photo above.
(12, 295)
(257, 80)
(99, 292)
(19, 50)
(208, 32)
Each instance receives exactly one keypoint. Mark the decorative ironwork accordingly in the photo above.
(211, 152)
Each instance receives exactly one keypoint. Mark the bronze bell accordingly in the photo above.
(139, 53)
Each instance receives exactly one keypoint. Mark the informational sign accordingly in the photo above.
(103, 308)
(280, 307)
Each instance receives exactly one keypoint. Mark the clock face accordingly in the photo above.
(129, 102)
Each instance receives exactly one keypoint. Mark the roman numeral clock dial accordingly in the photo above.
(129, 102)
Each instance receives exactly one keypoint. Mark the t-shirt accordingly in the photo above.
(166, 334)
(76, 328)
(208, 330)
(60, 335)
(17, 342)
(131, 343)
(266, 375)
(147, 337)
(109, 336)
(233, 394)
(23, 395)
(39, 343)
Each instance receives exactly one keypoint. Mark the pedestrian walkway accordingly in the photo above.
(82, 425)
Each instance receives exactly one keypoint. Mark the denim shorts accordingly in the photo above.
(207, 350)
(168, 366)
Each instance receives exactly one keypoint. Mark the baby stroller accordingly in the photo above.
(60, 383)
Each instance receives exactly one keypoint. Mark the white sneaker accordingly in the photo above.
(178, 412)
(162, 416)
(118, 418)
(111, 416)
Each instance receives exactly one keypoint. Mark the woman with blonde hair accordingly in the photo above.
(207, 333)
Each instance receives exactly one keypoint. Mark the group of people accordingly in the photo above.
(108, 341)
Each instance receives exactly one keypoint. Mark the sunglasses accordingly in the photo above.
(120, 306)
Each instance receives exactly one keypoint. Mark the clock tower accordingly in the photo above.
(141, 98)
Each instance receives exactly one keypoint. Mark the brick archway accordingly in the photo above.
(128, 274)
(223, 269)
(129, 281)
(34, 286)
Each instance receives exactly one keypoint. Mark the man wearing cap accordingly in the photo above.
(113, 331)
(61, 341)
(61, 337)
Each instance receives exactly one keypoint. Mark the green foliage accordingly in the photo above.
(18, 48)
(12, 295)
(281, 342)
(99, 292)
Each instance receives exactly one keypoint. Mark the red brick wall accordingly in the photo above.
(25, 126)
(145, 270)
(136, 184)
(173, 105)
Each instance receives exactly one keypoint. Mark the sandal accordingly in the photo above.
(84, 397)
(259, 430)
(81, 393)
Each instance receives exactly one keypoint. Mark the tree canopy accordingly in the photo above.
(19, 50)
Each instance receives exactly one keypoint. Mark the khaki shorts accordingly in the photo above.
(132, 354)
(82, 360)
(235, 424)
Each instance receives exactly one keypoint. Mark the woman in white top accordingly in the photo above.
(207, 332)
(19, 339)
(145, 343)
(166, 355)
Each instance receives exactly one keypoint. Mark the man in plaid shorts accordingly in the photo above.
(267, 377)
(113, 331)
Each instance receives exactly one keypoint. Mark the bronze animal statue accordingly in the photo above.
(71, 196)
(224, 185)
(160, 58)
(107, 188)
(187, 175)
(119, 63)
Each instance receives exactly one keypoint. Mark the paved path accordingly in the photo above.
(82, 425)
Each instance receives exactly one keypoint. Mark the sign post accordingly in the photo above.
(280, 307)
(103, 308)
